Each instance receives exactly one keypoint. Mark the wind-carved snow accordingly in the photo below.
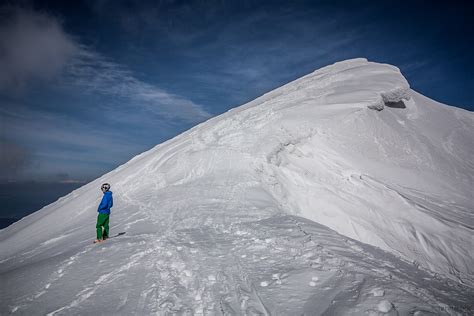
(303, 201)
(393, 98)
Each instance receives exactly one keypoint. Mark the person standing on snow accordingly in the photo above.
(104, 214)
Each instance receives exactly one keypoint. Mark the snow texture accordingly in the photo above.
(303, 201)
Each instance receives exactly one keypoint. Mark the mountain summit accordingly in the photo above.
(342, 192)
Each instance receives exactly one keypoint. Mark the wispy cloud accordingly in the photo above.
(98, 74)
(94, 73)
(34, 47)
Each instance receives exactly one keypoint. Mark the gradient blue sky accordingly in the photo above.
(87, 85)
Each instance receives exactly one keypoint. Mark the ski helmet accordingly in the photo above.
(105, 187)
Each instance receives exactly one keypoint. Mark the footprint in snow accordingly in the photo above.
(313, 281)
(357, 248)
(211, 278)
(384, 306)
(276, 277)
(377, 292)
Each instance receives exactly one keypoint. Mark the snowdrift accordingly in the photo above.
(349, 146)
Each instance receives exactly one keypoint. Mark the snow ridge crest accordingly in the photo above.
(354, 82)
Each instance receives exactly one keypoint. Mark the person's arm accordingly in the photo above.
(111, 201)
(103, 204)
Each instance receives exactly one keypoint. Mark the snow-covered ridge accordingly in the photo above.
(378, 83)
(399, 178)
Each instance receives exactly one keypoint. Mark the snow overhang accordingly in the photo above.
(392, 98)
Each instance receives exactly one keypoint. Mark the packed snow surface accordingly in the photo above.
(343, 192)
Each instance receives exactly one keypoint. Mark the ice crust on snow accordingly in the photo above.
(213, 215)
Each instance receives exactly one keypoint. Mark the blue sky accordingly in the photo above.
(85, 86)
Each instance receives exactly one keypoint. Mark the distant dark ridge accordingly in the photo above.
(18, 200)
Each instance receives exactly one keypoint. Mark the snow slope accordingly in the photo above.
(342, 192)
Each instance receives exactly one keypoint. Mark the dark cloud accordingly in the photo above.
(33, 46)
(61, 176)
(13, 159)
